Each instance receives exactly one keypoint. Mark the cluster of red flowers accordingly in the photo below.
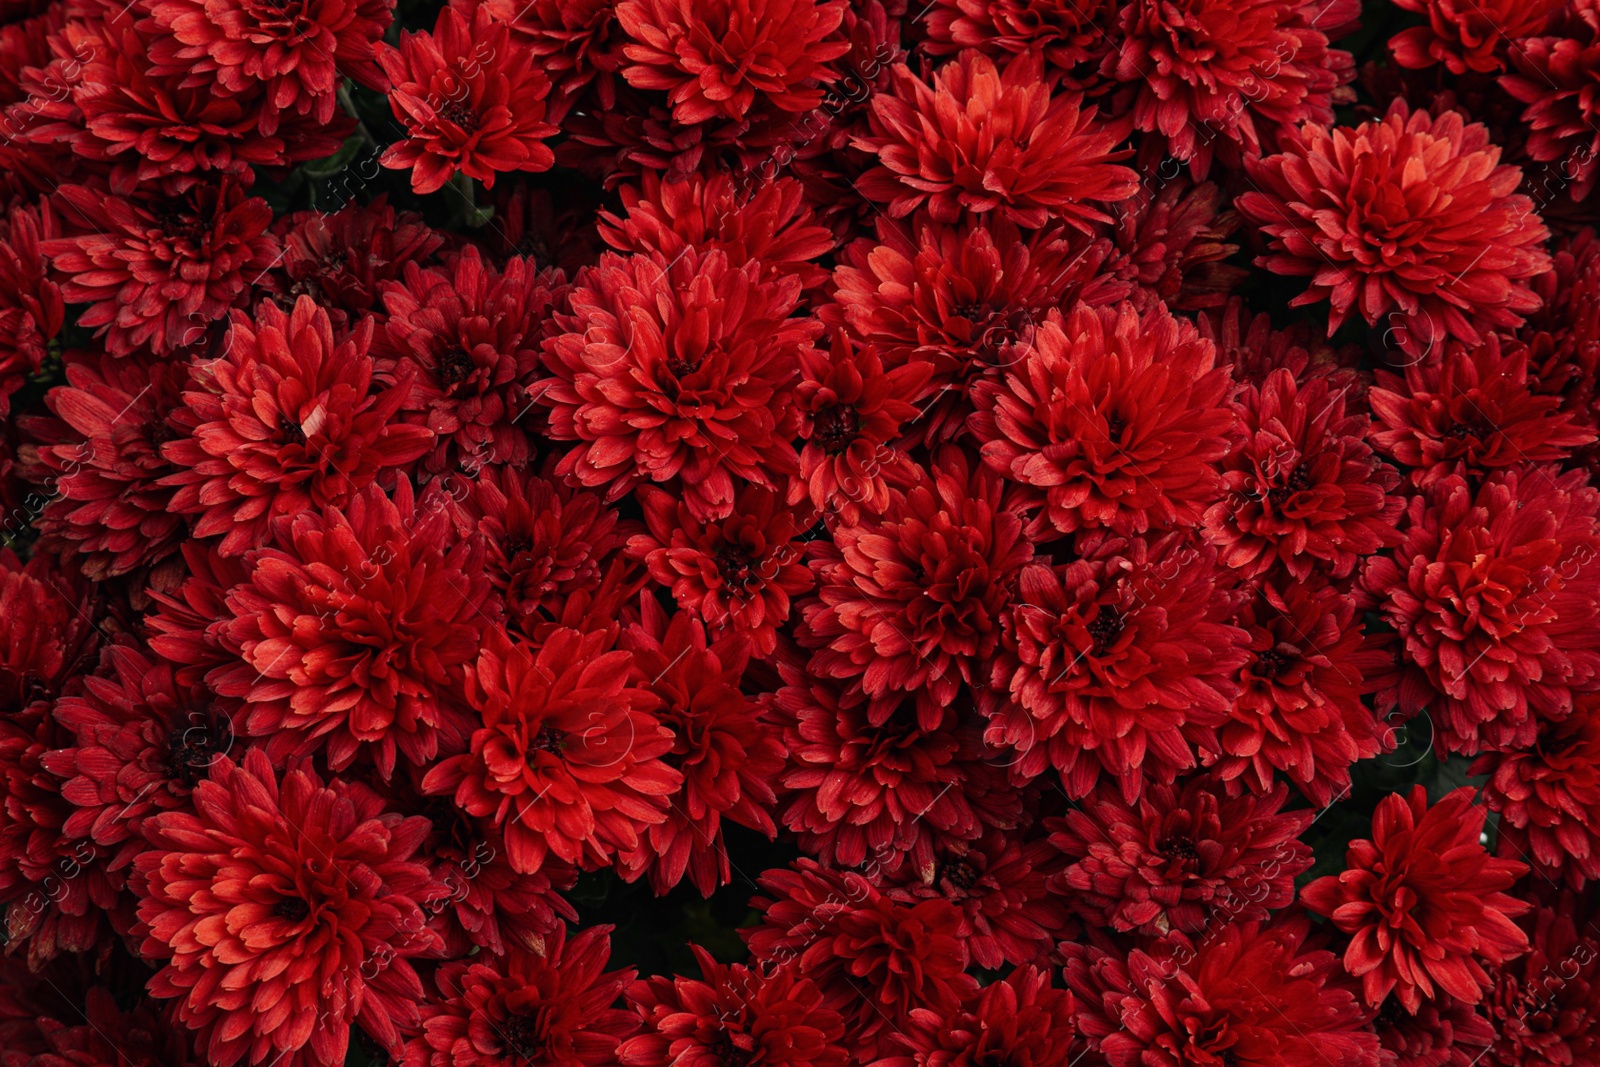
(800, 533)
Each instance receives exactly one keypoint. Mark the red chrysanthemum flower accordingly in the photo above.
(568, 760)
(287, 420)
(479, 900)
(296, 53)
(1545, 1007)
(546, 1007)
(1305, 491)
(1564, 337)
(342, 260)
(1172, 246)
(139, 741)
(1115, 418)
(961, 300)
(45, 636)
(473, 334)
(980, 139)
(1121, 663)
(1299, 712)
(353, 637)
(157, 272)
(1247, 997)
(677, 370)
(998, 883)
(772, 223)
(1558, 77)
(31, 308)
(737, 575)
(1067, 31)
(107, 1037)
(874, 960)
(1248, 70)
(1423, 901)
(1188, 859)
(1443, 1033)
(728, 757)
(1018, 1020)
(54, 888)
(725, 58)
(873, 780)
(1465, 36)
(851, 408)
(1474, 412)
(470, 102)
(773, 1017)
(1252, 348)
(576, 42)
(1410, 220)
(912, 598)
(1495, 597)
(102, 452)
(283, 910)
(545, 540)
(107, 102)
(1548, 797)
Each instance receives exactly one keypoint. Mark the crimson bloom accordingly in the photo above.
(1251, 996)
(156, 274)
(288, 419)
(1424, 902)
(352, 639)
(1545, 1006)
(1249, 70)
(738, 575)
(913, 598)
(1189, 859)
(1556, 76)
(676, 370)
(568, 759)
(1019, 1019)
(472, 333)
(1378, 218)
(549, 1006)
(1305, 491)
(1488, 666)
(727, 755)
(774, 1017)
(298, 53)
(1115, 418)
(281, 911)
(470, 102)
(1468, 37)
(873, 959)
(1548, 796)
(721, 58)
(1121, 663)
(982, 139)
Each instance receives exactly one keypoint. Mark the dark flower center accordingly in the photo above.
(521, 1038)
(455, 367)
(1115, 424)
(291, 909)
(198, 737)
(723, 1048)
(516, 545)
(1272, 663)
(1472, 426)
(1107, 626)
(291, 430)
(1299, 481)
(836, 427)
(1179, 847)
(461, 115)
(548, 739)
(960, 874)
(682, 366)
(736, 564)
